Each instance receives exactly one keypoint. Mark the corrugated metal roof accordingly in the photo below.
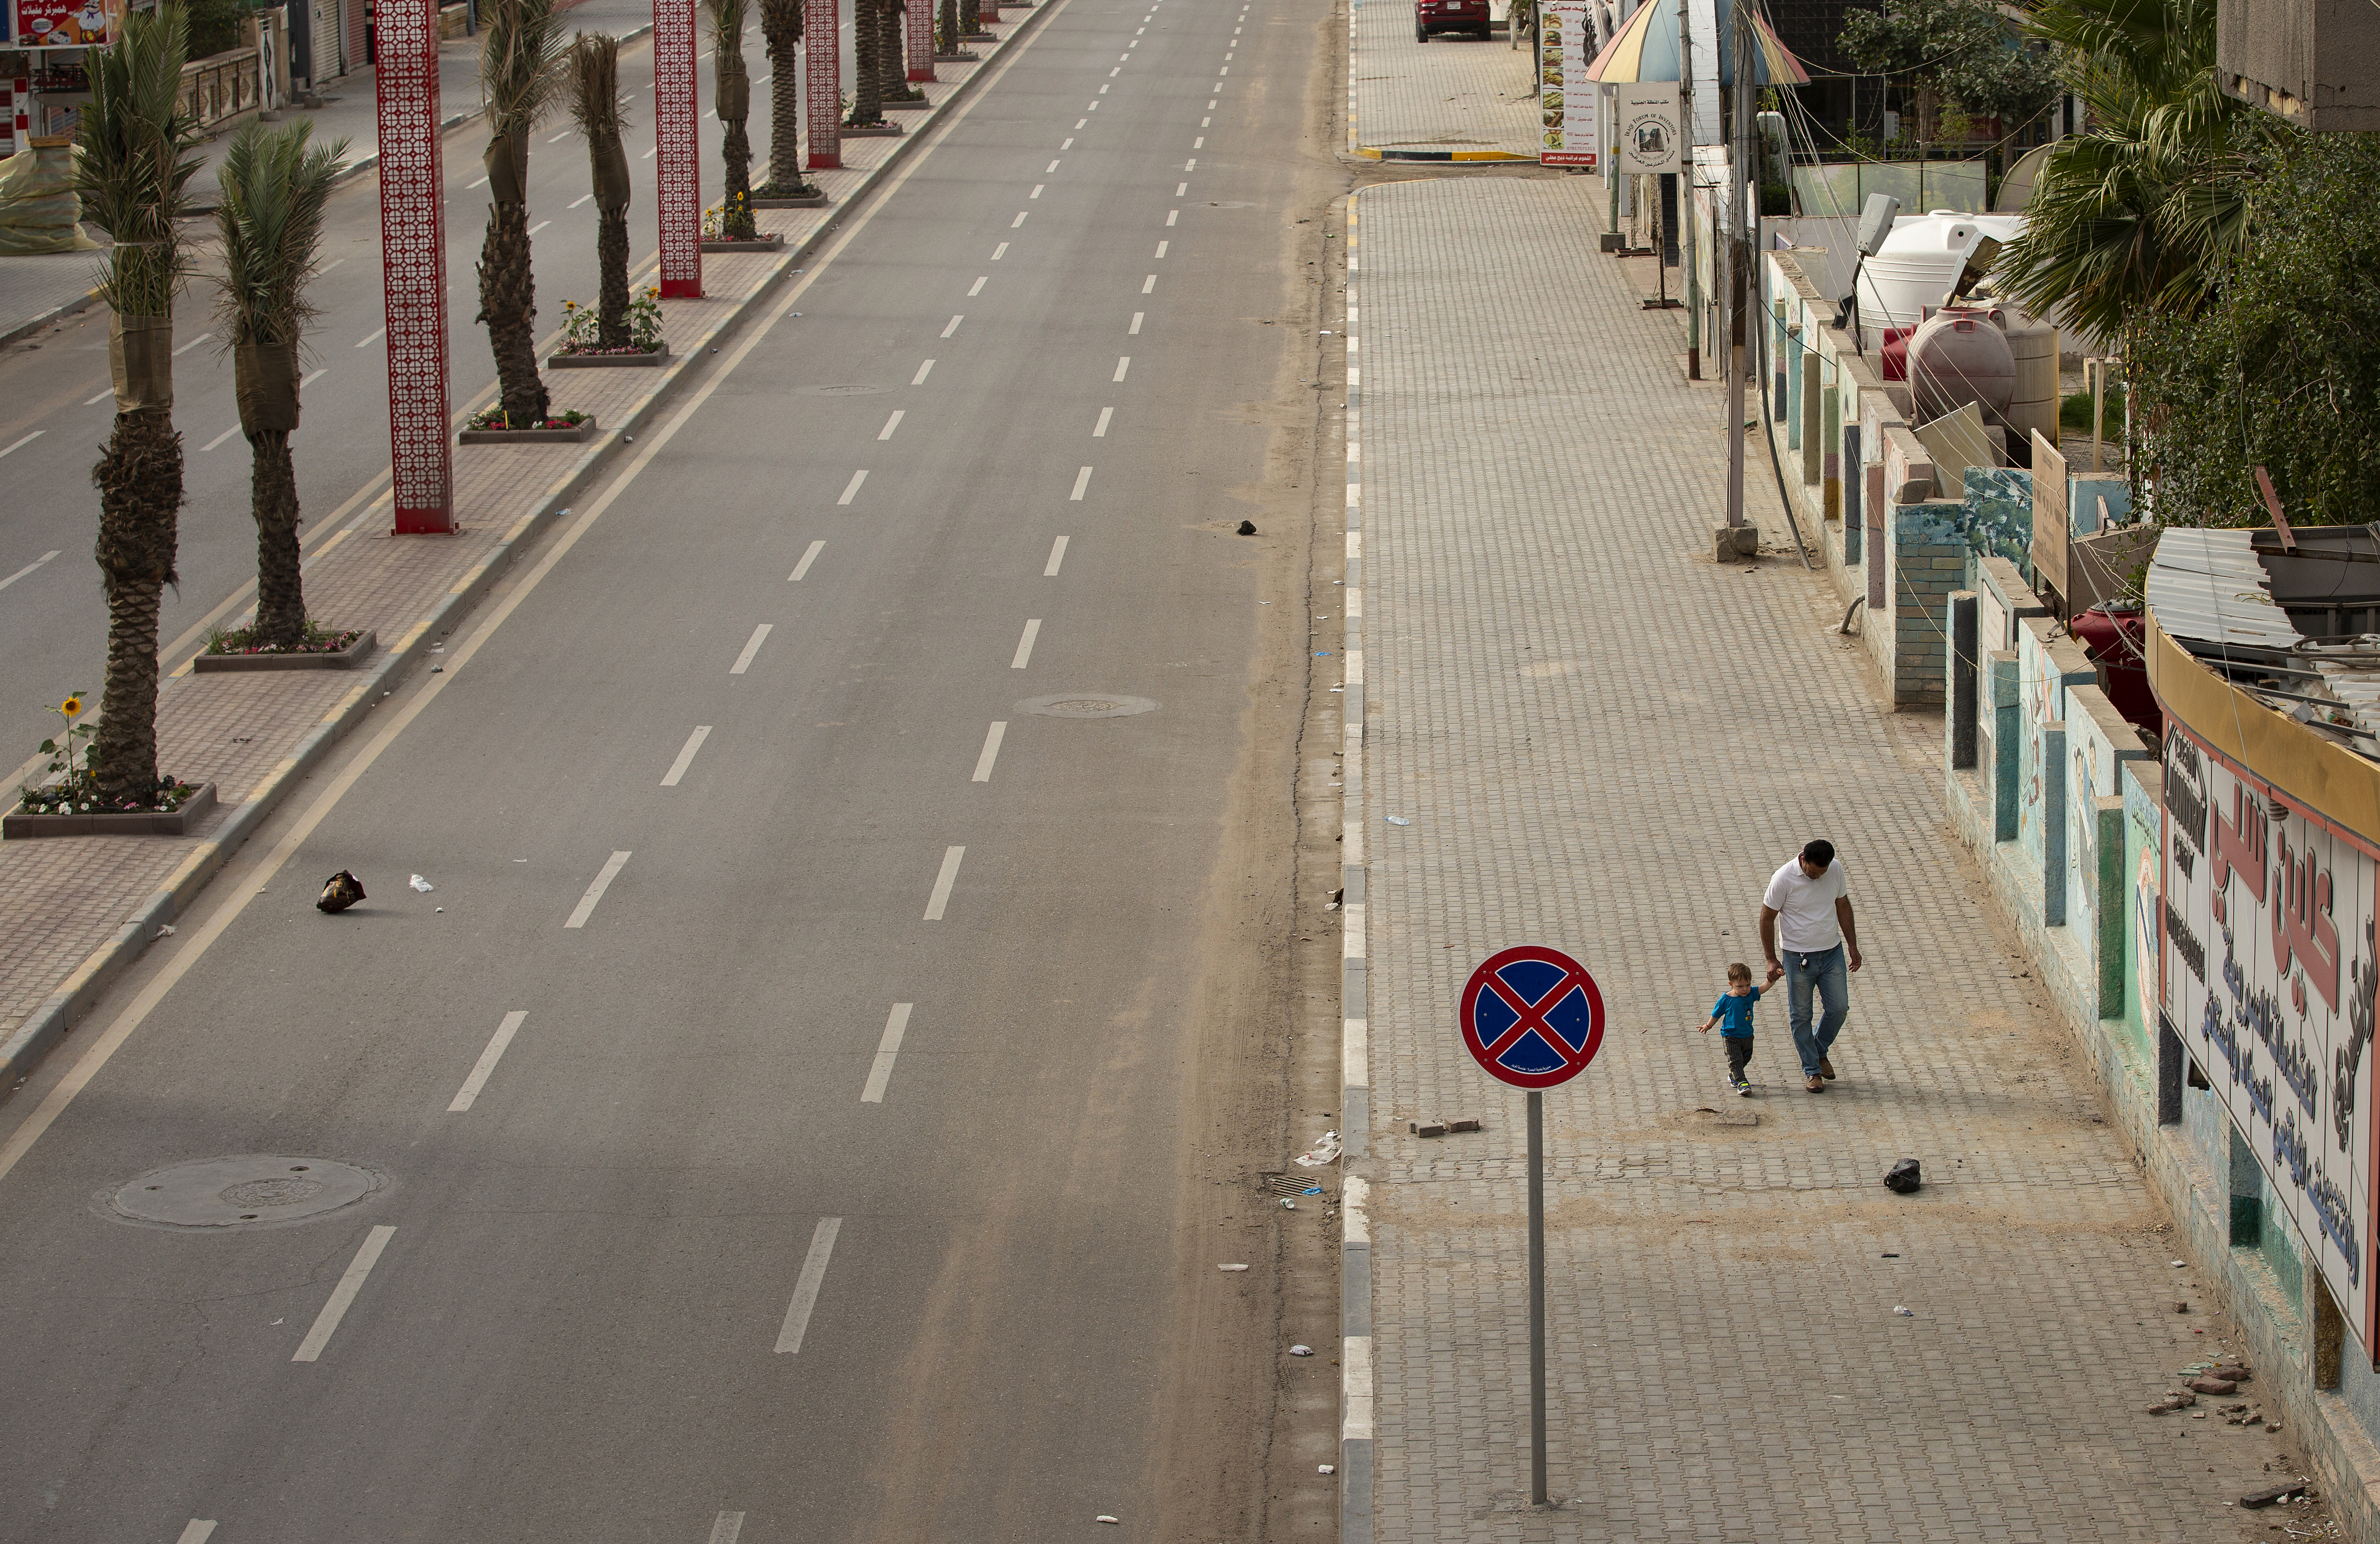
(2206, 587)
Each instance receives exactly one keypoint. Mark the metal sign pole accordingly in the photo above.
(1537, 1298)
(1532, 1017)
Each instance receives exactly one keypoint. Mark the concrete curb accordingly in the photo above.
(32, 325)
(1355, 1440)
(50, 1024)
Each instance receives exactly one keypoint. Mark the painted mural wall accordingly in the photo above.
(2270, 974)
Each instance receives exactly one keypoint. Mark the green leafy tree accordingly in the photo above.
(276, 187)
(133, 165)
(2133, 213)
(522, 60)
(2279, 365)
(1951, 52)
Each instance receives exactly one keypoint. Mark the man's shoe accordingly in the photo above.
(1817, 1084)
(1825, 1069)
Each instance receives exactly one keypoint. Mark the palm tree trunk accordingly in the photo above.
(949, 25)
(893, 53)
(611, 264)
(508, 306)
(784, 108)
(272, 499)
(867, 94)
(735, 197)
(972, 13)
(139, 479)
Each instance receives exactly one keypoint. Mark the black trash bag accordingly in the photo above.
(341, 890)
(1902, 1178)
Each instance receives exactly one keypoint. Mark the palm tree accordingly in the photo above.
(732, 95)
(521, 59)
(132, 167)
(595, 105)
(893, 48)
(950, 27)
(780, 30)
(2134, 214)
(276, 187)
(868, 75)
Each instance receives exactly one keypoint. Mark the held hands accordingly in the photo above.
(1776, 973)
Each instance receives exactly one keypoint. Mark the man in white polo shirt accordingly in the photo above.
(1806, 931)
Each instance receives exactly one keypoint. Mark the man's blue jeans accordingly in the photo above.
(1826, 972)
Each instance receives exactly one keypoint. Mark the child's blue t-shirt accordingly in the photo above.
(1734, 1015)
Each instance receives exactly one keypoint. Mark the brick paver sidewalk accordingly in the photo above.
(69, 906)
(1604, 741)
(1455, 97)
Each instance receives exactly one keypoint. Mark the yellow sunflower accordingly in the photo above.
(71, 707)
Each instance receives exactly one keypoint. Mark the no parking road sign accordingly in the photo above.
(1532, 1017)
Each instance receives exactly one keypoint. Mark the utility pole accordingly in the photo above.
(1686, 190)
(1743, 202)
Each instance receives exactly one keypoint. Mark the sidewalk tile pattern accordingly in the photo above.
(1605, 742)
(1456, 93)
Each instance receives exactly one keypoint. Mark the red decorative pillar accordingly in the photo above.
(822, 65)
(677, 154)
(921, 41)
(413, 266)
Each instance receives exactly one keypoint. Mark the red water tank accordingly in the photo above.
(1959, 357)
(2114, 635)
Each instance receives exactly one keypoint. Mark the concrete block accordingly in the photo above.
(1735, 543)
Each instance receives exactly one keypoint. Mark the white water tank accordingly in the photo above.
(1920, 262)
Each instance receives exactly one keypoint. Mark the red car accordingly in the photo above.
(1448, 16)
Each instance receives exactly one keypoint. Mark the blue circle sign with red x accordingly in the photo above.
(1532, 1017)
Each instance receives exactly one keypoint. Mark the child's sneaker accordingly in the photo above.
(1743, 1087)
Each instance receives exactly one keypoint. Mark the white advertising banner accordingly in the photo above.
(2270, 976)
(1568, 100)
(1645, 137)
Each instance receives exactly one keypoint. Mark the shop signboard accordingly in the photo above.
(2270, 976)
(66, 23)
(1566, 99)
(1647, 137)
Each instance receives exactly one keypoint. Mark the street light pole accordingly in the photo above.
(1743, 202)
(1686, 191)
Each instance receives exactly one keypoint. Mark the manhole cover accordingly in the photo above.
(845, 391)
(1085, 704)
(250, 1190)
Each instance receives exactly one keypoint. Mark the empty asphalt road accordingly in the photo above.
(851, 1014)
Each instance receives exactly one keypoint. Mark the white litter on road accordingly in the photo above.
(423, 885)
(1324, 1151)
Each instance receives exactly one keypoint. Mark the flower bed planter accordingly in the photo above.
(576, 434)
(769, 243)
(963, 56)
(820, 202)
(979, 37)
(905, 105)
(17, 825)
(606, 362)
(331, 659)
(872, 131)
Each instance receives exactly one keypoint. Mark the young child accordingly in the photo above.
(1733, 1013)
